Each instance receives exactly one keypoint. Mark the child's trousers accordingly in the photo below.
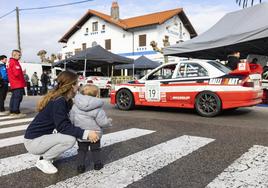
(83, 149)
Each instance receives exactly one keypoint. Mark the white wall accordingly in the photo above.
(122, 41)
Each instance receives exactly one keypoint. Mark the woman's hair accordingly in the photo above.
(89, 89)
(65, 81)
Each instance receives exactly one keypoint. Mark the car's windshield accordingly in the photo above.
(220, 66)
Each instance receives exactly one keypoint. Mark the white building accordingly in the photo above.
(129, 37)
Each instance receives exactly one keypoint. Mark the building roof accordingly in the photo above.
(135, 22)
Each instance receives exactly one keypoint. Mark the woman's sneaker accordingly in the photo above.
(46, 166)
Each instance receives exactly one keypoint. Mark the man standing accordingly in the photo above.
(44, 81)
(233, 60)
(3, 84)
(34, 80)
(17, 83)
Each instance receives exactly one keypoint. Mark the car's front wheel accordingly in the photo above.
(124, 99)
(208, 104)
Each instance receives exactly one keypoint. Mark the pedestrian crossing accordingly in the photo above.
(248, 170)
(13, 129)
(15, 121)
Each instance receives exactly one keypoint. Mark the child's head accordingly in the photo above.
(90, 90)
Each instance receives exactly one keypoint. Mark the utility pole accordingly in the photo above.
(18, 27)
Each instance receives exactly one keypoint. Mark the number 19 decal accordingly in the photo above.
(152, 91)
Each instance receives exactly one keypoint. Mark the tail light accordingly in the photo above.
(248, 83)
(90, 82)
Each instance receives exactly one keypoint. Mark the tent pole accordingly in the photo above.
(133, 68)
(85, 68)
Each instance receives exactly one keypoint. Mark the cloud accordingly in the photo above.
(35, 35)
(203, 17)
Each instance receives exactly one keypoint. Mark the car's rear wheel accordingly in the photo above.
(208, 104)
(124, 99)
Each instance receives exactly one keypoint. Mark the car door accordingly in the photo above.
(156, 83)
(188, 79)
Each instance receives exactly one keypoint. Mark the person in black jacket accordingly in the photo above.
(3, 84)
(54, 115)
(44, 80)
(233, 60)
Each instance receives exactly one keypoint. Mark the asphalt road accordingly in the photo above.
(149, 159)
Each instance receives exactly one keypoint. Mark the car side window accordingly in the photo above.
(190, 70)
(163, 73)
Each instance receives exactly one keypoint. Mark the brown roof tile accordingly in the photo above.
(134, 22)
(150, 19)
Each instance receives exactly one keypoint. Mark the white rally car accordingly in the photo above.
(206, 86)
(97, 78)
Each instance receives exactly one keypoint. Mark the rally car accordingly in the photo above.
(97, 78)
(206, 86)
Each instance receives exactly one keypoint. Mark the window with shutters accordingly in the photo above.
(108, 44)
(142, 40)
(86, 33)
(95, 26)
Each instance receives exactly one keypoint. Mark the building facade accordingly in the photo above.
(130, 37)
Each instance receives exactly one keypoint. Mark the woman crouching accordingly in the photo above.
(53, 114)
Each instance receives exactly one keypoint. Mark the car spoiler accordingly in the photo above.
(245, 69)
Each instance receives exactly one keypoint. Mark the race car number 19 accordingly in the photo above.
(152, 91)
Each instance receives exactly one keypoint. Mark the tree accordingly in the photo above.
(244, 3)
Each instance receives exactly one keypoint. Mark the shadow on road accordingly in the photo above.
(225, 113)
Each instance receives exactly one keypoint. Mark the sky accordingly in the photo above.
(41, 29)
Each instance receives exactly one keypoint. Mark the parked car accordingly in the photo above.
(97, 78)
(206, 86)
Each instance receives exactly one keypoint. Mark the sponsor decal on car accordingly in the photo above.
(181, 98)
(216, 81)
(224, 81)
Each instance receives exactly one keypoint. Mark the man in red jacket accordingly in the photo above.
(17, 83)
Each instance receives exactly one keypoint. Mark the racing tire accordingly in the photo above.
(124, 99)
(208, 104)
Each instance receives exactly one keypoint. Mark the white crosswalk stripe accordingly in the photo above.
(10, 122)
(250, 170)
(7, 117)
(24, 161)
(130, 169)
(11, 141)
(13, 129)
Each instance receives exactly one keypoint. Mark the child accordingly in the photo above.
(87, 113)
